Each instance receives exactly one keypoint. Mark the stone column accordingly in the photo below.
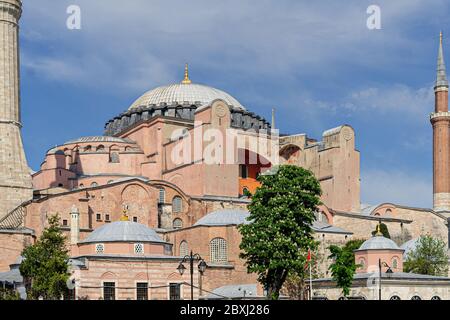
(15, 178)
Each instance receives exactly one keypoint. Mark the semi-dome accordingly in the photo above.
(123, 231)
(224, 217)
(379, 243)
(180, 93)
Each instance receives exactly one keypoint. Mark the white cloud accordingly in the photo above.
(396, 186)
(238, 39)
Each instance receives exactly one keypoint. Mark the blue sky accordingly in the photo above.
(316, 62)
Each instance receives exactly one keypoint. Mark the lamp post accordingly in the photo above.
(389, 270)
(201, 268)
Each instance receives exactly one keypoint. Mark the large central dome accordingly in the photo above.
(185, 92)
(181, 101)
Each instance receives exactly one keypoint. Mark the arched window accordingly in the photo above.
(435, 298)
(162, 195)
(218, 250)
(416, 298)
(110, 181)
(87, 148)
(94, 184)
(395, 298)
(114, 154)
(177, 223)
(177, 204)
(184, 250)
(101, 148)
(321, 216)
(362, 263)
(394, 263)
(81, 185)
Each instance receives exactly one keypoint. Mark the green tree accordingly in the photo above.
(429, 257)
(344, 266)
(9, 294)
(45, 263)
(384, 230)
(282, 210)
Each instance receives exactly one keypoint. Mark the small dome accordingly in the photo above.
(379, 243)
(224, 217)
(123, 231)
(180, 93)
(409, 246)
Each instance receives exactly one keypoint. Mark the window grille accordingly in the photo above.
(177, 204)
(142, 291)
(109, 291)
(218, 250)
(177, 224)
(138, 248)
(175, 291)
(99, 248)
(184, 250)
(162, 195)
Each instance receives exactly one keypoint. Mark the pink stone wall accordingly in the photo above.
(126, 273)
(11, 246)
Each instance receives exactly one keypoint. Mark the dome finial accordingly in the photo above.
(124, 216)
(378, 232)
(186, 75)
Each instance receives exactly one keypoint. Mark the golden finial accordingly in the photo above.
(440, 37)
(378, 232)
(124, 216)
(186, 75)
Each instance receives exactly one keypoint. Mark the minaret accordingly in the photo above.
(440, 119)
(74, 225)
(272, 125)
(15, 179)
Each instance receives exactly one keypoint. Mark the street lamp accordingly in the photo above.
(201, 268)
(389, 270)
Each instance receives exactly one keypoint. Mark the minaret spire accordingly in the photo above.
(440, 120)
(273, 119)
(441, 79)
(186, 75)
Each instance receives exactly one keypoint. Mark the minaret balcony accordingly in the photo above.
(435, 115)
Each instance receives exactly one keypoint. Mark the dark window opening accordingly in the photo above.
(135, 219)
(109, 291)
(64, 222)
(142, 291)
(107, 217)
(243, 171)
(99, 217)
(175, 291)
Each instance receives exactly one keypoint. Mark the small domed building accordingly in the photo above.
(127, 260)
(380, 276)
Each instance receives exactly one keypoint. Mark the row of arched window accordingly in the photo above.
(177, 201)
(416, 297)
(218, 250)
(394, 263)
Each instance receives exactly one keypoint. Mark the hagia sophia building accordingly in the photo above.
(131, 212)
